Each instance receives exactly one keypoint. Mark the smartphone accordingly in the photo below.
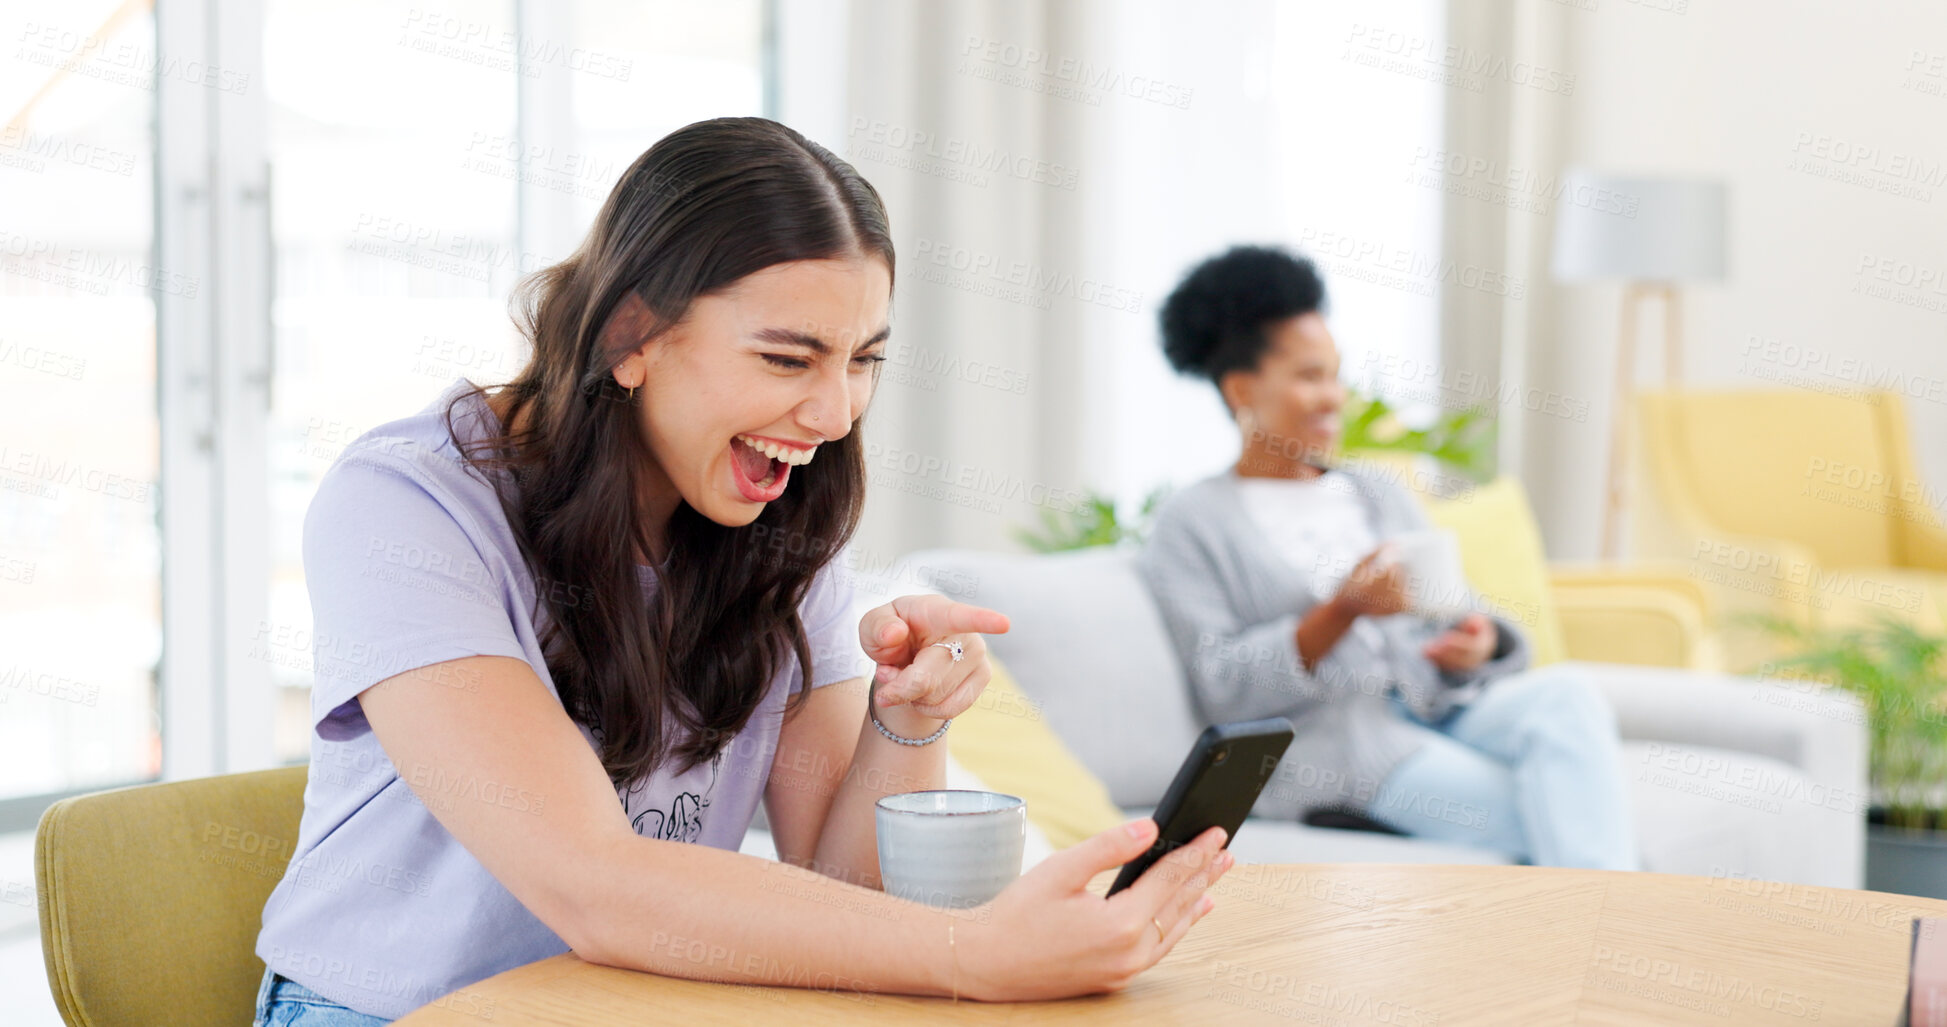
(1216, 786)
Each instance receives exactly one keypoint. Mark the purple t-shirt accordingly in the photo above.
(410, 562)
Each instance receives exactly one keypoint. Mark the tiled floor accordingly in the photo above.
(24, 998)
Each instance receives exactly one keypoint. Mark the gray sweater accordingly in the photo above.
(1232, 604)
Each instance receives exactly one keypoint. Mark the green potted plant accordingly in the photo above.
(1462, 440)
(1093, 523)
(1899, 673)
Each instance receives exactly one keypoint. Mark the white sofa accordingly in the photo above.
(1728, 776)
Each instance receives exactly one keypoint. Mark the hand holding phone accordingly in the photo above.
(1216, 786)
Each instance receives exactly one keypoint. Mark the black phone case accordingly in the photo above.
(1216, 786)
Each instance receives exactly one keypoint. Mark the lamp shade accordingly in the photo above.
(1643, 229)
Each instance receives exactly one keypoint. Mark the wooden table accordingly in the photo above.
(1399, 945)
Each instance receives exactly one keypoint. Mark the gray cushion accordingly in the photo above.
(1791, 759)
(1715, 812)
(1087, 644)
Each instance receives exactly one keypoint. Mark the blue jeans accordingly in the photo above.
(1529, 768)
(282, 1002)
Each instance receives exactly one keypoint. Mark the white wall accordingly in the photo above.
(1749, 92)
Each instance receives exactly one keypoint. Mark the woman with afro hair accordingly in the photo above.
(1279, 582)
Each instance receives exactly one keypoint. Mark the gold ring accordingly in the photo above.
(1159, 929)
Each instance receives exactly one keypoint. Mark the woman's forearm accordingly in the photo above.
(698, 912)
(1320, 629)
(848, 847)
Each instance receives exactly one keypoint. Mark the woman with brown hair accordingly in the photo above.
(595, 614)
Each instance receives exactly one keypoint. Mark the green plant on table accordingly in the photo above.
(1899, 673)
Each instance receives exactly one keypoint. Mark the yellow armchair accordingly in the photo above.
(151, 897)
(1797, 504)
(1634, 613)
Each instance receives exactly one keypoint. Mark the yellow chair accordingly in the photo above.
(1799, 504)
(1634, 613)
(151, 897)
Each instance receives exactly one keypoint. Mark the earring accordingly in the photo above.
(631, 393)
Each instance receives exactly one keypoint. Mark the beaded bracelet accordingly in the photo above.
(871, 710)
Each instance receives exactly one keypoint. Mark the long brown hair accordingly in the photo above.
(703, 207)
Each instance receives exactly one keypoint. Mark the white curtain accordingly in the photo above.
(1515, 128)
(1052, 169)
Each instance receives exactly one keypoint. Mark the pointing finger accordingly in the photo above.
(933, 617)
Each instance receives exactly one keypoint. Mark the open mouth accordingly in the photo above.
(762, 468)
(760, 478)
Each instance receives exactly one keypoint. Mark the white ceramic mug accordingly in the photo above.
(952, 848)
(1436, 584)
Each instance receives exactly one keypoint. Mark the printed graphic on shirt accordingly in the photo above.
(682, 821)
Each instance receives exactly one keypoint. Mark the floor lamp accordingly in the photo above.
(1654, 234)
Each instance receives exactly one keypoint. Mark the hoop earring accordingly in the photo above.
(631, 393)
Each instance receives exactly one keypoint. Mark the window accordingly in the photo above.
(1331, 182)
(423, 159)
(232, 239)
(80, 574)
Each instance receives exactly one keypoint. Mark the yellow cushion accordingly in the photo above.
(1007, 743)
(1500, 549)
